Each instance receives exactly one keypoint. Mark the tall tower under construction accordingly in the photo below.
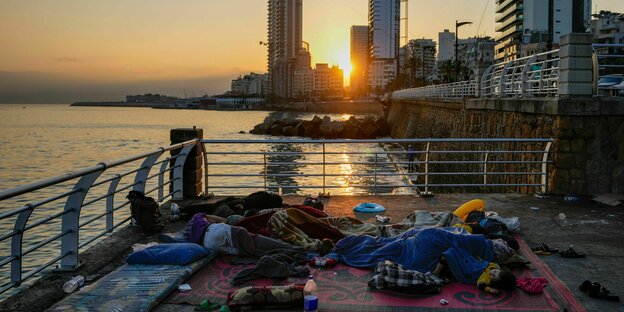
(285, 21)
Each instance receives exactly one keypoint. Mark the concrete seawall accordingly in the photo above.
(588, 152)
(331, 107)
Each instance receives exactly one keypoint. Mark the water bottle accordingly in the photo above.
(310, 295)
(73, 284)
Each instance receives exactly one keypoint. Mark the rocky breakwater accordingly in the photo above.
(352, 128)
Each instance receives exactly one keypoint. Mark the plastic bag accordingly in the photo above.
(513, 223)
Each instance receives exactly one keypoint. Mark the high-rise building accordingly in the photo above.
(533, 22)
(359, 60)
(285, 21)
(419, 61)
(446, 46)
(384, 18)
(252, 84)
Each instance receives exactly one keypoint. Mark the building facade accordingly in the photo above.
(285, 20)
(476, 55)
(446, 46)
(252, 84)
(527, 22)
(384, 35)
(359, 56)
(419, 61)
(608, 28)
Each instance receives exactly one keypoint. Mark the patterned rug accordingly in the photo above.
(345, 288)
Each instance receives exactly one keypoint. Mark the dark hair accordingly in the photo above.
(506, 280)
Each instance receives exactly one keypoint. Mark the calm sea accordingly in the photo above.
(43, 141)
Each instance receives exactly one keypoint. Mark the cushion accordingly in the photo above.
(269, 297)
(176, 253)
(369, 207)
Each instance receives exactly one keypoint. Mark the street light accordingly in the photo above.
(457, 25)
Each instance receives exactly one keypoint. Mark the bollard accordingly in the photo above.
(193, 174)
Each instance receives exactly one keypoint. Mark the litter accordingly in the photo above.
(184, 287)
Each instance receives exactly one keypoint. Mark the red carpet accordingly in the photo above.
(345, 289)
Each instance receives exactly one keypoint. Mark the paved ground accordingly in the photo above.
(589, 227)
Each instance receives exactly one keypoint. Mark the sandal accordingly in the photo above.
(545, 248)
(585, 286)
(599, 292)
(571, 253)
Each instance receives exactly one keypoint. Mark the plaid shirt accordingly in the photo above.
(393, 275)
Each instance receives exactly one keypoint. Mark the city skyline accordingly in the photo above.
(71, 50)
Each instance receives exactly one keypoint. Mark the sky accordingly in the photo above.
(61, 51)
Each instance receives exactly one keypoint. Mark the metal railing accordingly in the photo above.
(450, 90)
(535, 75)
(298, 166)
(80, 189)
(608, 59)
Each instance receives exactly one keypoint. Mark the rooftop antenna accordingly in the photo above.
(404, 19)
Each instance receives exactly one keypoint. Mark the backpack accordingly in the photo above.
(145, 211)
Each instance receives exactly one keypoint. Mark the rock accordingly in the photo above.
(276, 130)
(289, 131)
(241, 132)
(368, 128)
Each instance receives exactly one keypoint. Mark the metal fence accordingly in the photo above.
(608, 59)
(450, 90)
(93, 187)
(535, 75)
(299, 166)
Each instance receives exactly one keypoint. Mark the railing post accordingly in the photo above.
(427, 169)
(161, 180)
(545, 168)
(140, 179)
(110, 203)
(324, 169)
(70, 220)
(375, 175)
(485, 170)
(16, 245)
(178, 173)
(503, 79)
(524, 85)
(485, 79)
(265, 171)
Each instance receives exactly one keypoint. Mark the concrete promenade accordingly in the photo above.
(590, 227)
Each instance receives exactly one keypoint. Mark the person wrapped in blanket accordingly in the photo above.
(469, 258)
(214, 233)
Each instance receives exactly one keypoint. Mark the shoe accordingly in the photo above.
(584, 287)
(206, 305)
(571, 253)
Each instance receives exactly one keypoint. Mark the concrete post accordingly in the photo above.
(192, 184)
(575, 66)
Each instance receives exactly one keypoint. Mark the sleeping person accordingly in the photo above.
(213, 233)
(467, 256)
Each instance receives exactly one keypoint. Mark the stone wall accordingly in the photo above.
(588, 149)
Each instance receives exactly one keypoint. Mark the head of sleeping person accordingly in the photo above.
(502, 279)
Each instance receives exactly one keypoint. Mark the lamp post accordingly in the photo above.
(457, 25)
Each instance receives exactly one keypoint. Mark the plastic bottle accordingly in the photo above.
(73, 284)
(310, 295)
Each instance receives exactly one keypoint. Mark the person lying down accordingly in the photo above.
(213, 233)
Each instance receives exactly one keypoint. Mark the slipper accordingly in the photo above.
(206, 305)
(541, 252)
(571, 253)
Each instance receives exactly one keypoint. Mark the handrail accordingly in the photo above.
(297, 165)
(88, 183)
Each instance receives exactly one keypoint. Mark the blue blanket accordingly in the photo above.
(417, 249)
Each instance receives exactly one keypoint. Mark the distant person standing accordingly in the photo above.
(410, 158)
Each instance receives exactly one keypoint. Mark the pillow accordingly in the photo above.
(176, 253)
(269, 297)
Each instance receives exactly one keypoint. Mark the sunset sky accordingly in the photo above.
(70, 50)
